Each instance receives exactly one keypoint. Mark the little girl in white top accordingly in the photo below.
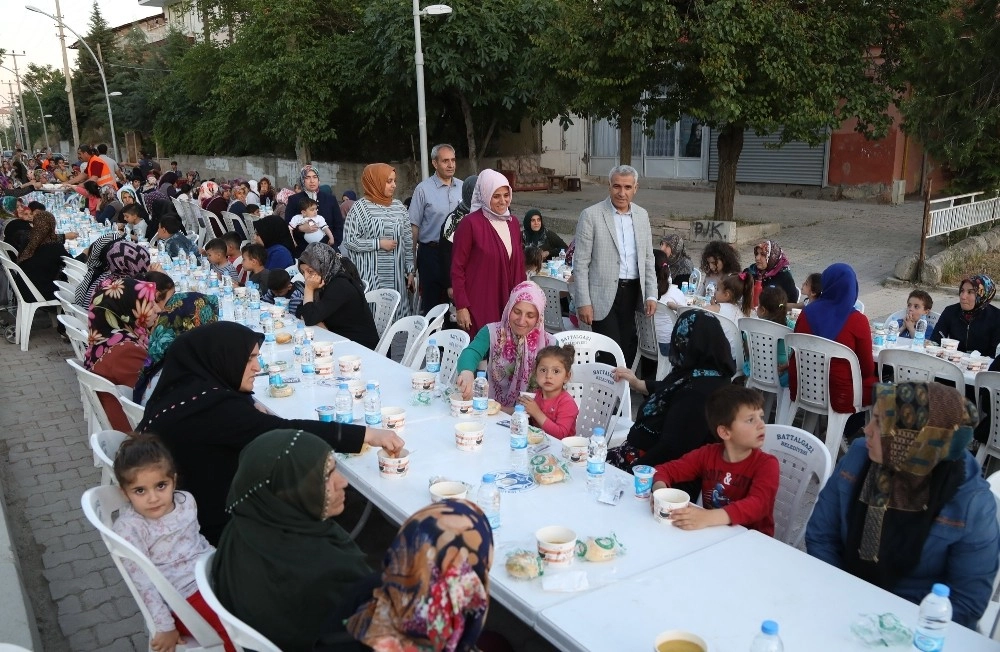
(733, 298)
(163, 524)
(671, 296)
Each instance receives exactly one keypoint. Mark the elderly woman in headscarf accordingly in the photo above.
(446, 242)
(347, 201)
(973, 321)
(487, 256)
(907, 507)
(672, 422)
(328, 207)
(220, 202)
(120, 317)
(334, 297)
(834, 317)
(536, 235)
(378, 236)
(127, 196)
(677, 259)
(124, 260)
(509, 346)
(108, 206)
(272, 232)
(97, 264)
(181, 312)
(207, 191)
(771, 268)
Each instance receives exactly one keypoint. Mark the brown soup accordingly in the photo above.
(679, 646)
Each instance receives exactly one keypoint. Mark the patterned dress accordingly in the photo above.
(365, 225)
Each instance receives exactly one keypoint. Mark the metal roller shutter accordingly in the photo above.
(795, 163)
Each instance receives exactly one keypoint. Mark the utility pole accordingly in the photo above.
(20, 100)
(18, 136)
(69, 81)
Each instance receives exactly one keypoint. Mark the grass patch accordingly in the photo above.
(979, 263)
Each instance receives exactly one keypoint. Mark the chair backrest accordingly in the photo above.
(215, 225)
(805, 466)
(133, 411)
(412, 327)
(988, 383)
(762, 338)
(383, 304)
(231, 220)
(241, 634)
(8, 249)
(73, 263)
(859, 305)
(99, 506)
(90, 385)
(249, 229)
(588, 344)
(74, 276)
(436, 316)
(992, 629)
(105, 444)
(67, 286)
(812, 365)
(932, 318)
(917, 367)
(14, 270)
(552, 287)
(732, 331)
(452, 342)
(649, 345)
(595, 391)
(77, 334)
(66, 301)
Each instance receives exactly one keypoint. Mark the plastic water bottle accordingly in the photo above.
(891, 333)
(488, 499)
(694, 280)
(709, 291)
(480, 396)
(213, 286)
(373, 406)
(432, 358)
(597, 454)
(933, 619)
(299, 339)
(343, 404)
(519, 439)
(919, 334)
(684, 288)
(228, 300)
(253, 304)
(307, 368)
(768, 639)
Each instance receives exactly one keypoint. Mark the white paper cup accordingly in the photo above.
(323, 349)
(574, 449)
(349, 365)
(324, 366)
(556, 545)
(949, 343)
(357, 388)
(393, 467)
(422, 381)
(394, 418)
(469, 435)
(448, 490)
(460, 408)
(665, 501)
(662, 639)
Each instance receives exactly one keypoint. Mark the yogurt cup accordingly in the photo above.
(574, 449)
(643, 475)
(448, 490)
(326, 413)
(422, 381)
(460, 408)
(349, 365)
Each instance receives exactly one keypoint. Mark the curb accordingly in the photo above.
(17, 619)
(892, 281)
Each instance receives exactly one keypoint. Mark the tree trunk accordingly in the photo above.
(625, 135)
(730, 147)
(470, 132)
(302, 152)
(204, 22)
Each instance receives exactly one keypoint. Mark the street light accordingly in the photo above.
(41, 112)
(100, 69)
(430, 10)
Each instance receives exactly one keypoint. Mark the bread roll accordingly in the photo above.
(280, 391)
(597, 549)
(283, 338)
(546, 469)
(524, 565)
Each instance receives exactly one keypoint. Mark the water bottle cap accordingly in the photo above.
(519, 408)
(368, 386)
(344, 386)
(489, 477)
(480, 374)
(769, 627)
(599, 431)
(941, 590)
(431, 342)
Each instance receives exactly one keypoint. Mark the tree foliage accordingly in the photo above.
(88, 90)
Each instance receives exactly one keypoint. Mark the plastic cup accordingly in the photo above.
(643, 475)
(326, 413)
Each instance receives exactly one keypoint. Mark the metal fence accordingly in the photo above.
(961, 212)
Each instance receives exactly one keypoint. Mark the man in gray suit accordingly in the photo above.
(613, 263)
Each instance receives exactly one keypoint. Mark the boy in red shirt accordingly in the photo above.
(738, 481)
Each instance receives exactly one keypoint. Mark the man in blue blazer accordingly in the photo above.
(328, 208)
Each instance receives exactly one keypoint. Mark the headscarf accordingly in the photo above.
(698, 349)
(43, 231)
(127, 189)
(123, 311)
(776, 260)
(373, 181)
(533, 238)
(150, 197)
(97, 264)
(207, 190)
(435, 579)
(306, 169)
(273, 230)
(678, 260)
(283, 195)
(487, 184)
(9, 203)
(828, 314)
(925, 430)
(512, 358)
(464, 208)
(279, 564)
(329, 264)
(125, 260)
(985, 291)
(182, 312)
(350, 194)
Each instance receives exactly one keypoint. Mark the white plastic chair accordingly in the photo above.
(989, 624)
(916, 367)
(133, 411)
(9, 251)
(99, 506)
(77, 334)
(215, 226)
(73, 263)
(25, 308)
(452, 342)
(762, 338)
(812, 364)
(90, 385)
(105, 445)
(242, 635)
(412, 326)
(553, 289)
(735, 337)
(66, 286)
(231, 220)
(248, 227)
(989, 382)
(595, 391)
(66, 301)
(435, 317)
(932, 318)
(649, 346)
(859, 305)
(805, 466)
(587, 345)
(383, 304)
(73, 276)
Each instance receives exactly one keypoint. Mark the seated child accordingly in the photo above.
(773, 307)
(812, 287)
(175, 243)
(233, 242)
(733, 299)
(532, 261)
(215, 251)
(553, 409)
(310, 223)
(252, 210)
(163, 524)
(739, 481)
(671, 296)
(918, 305)
(279, 284)
(254, 257)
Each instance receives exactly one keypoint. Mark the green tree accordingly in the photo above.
(50, 84)
(88, 91)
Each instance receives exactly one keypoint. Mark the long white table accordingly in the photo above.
(724, 592)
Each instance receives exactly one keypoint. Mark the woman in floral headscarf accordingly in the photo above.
(121, 315)
(973, 321)
(907, 507)
(124, 260)
(771, 268)
(97, 264)
(510, 344)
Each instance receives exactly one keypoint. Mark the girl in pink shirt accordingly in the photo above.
(553, 409)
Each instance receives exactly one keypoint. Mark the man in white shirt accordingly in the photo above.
(613, 263)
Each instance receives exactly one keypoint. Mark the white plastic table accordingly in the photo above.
(724, 592)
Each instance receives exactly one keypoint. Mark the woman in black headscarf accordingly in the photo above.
(536, 235)
(273, 233)
(334, 297)
(671, 422)
(973, 321)
(161, 207)
(203, 410)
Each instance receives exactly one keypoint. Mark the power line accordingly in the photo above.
(121, 65)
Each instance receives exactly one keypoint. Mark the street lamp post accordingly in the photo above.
(431, 10)
(41, 112)
(100, 69)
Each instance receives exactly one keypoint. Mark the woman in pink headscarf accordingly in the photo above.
(510, 344)
(487, 258)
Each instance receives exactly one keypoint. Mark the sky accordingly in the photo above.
(36, 35)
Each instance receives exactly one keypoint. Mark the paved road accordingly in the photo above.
(45, 463)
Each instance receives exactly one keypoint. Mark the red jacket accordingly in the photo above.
(855, 335)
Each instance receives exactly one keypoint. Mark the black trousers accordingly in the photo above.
(619, 325)
(433, 283)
